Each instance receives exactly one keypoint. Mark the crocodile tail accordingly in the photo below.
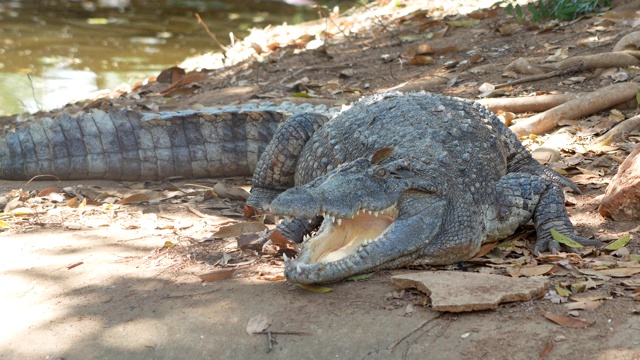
(126, 145)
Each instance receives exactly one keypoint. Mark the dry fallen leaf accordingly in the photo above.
(422, 60)
(583, 305)
(277, 238)
(485, 249)
(258, 324)
(535, 270)
(617, 272)
(240, 228)
(315, 288)
(135, 198)
(566, 321)
(217, 275)
(547, 349)
(271, 277)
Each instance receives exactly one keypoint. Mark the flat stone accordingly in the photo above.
(457, 291)
(621, 201)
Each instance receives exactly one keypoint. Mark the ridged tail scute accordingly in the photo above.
(126, 145)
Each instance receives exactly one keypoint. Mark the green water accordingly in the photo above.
(52, 52)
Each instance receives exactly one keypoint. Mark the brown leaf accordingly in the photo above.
(187, 80)
(250, 211)
(135, 198)
(240, 228)
(566, 321)
(422, 60)
(73, 202)
(485, 249)
(48, 191)
(217, 275)
(440, 33)
(509, 29)
(424, 49)
(171, 75)
(446, 50)
(483, 13)
(271, 277)
(277, 238)
(547, 349)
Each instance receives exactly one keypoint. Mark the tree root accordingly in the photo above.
(585, 104)
(527, 104)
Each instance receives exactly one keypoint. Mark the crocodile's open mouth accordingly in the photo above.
(339, 237)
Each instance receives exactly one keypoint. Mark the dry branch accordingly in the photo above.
(583, 105)
(527, 104)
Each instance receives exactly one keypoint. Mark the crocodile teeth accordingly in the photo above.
(333, 219)
(366, 242)
(339, 221)
(370, 212)
(284, 256)
(376, 214)
(298, 269)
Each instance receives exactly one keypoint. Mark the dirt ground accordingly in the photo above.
(84, 281)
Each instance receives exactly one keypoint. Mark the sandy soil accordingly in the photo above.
(101, 281)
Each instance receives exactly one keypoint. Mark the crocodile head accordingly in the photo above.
(376, 216)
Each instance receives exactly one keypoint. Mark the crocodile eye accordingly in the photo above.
(381, 172)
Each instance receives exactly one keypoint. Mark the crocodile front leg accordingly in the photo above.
(296, 229)
(275, 171)
(521, 197)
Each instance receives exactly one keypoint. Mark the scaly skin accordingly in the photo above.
(127, 145)
(450, 177)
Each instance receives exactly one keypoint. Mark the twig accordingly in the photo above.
(393, 346)
(206, 28)
(74, 265)
(381, 23)
(328, 18)
(285, 333)
(33, 92)
(190, 295)
(570, 70)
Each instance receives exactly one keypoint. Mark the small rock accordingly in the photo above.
(456, 291)
(621, 201)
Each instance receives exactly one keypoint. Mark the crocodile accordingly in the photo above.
(394, 180)
(404, 179)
